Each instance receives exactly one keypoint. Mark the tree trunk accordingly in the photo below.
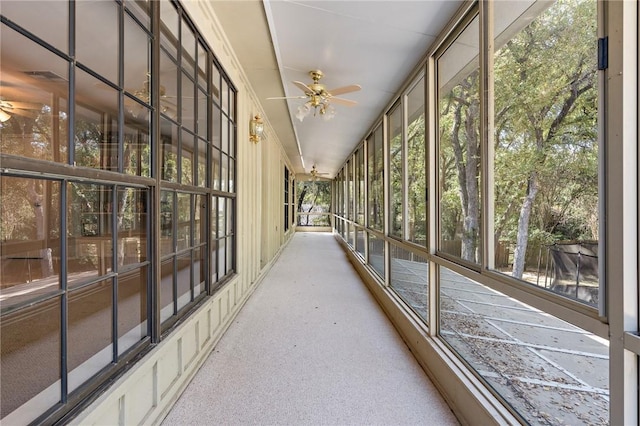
(519, 256)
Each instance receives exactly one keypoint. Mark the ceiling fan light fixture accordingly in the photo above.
(303, 111)
(328, 112)
(4, 116)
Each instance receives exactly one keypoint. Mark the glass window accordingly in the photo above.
(376, 183)
(546, 148)
(409, 278)
(89, 339)
(549, 371)
(96, 125)
(132, 226)
(34, 104)
(416, 166)
(89, 231)
(132, 308)
(56, 32)
(359, 185)
(376, 254)
(169, 149)
(396, 173)
(29, 239)
(96, 25)
(459, 146)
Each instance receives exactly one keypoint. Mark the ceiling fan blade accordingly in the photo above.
(22, 112)
(345, 89)
(345, 102)
(21, 105)
(300, 85)
(287, 97)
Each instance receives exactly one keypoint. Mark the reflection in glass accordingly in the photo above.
(89, 338)
(224, 173)
(96, 124)
(222, 258)
(416, 166)
(199, 270)
(230, 254)
(169, 28)
(137, 151)
(224, 128)
(132, 226)
(29, 239)
(167, 214)
(168, 86)
(396, 171)
(409, 277)
(136, 61)
(188, 102)
(96, 27)
(376, 254)
(202, 162)
(202, 66)
(57, 13)
(33, 116)
(203, 102)
(184, 279)
(546, 148)
(459, 146)
(187, 159)
(184, 221)
(166, 289)
(360, 241)
(89, 233)
(132, 308)
(169, 150)
(215, 168)
(376, 187)
(30, 342)
(188, 48)
(216, 126)
(548, 370)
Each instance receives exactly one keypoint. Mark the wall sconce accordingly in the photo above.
(256, 128)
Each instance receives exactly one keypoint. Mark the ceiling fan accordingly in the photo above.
(25, 109)
(315, 173)
(319, 98)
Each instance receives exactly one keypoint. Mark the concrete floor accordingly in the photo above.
(311, 347)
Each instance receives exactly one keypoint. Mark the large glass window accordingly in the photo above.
(459, 145)
(416, 166)
(546, 369)
(546, 148)
(376, 175)
(75, 253)
(396, 173)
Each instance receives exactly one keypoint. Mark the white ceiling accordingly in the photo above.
(375, 44)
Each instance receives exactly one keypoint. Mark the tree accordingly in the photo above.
(545, 85)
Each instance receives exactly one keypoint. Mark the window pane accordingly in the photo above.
(132, 226)
(187, 158)
(33, 104)
(199, 270)
(96, 127)
(188, 102)
(376, 254)
(168, 86)
(396, 167)
(222, 258)
(30, 342)
(132, 308)
(137, 150)
(313, 203)
(29, 239)
(202, 162)
(89, 234)
(215, 168)
(166, 289)
(89, 344)
(97, 37)
(188, 48)
(137, 55)
(409, 277)
(416, 167)
(184, 280)
(359, 186)
(169, 149)
(547, 370)
(170, 27)
(360, 241)
(167, 214)
(203, 102)
(459, 146)
(184, 221)
(546, 149)
(56, 30)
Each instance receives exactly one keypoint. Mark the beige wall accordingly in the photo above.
(145, 393)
